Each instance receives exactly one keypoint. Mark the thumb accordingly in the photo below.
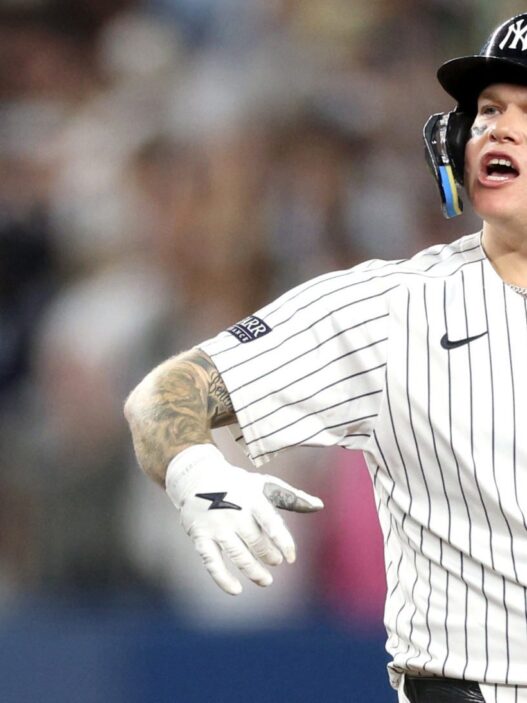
(284, 496)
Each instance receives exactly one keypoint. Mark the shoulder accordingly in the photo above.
(374, 279)
(366, 291)
(436, 261)
(446, 259)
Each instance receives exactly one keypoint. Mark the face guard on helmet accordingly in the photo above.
(502, 59)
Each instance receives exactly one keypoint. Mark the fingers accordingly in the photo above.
(260, 545)
(286, 497)
(273, 525)
(210, 551)
(242, 558)
(211, 556)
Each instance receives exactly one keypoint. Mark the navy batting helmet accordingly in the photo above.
(502, 59)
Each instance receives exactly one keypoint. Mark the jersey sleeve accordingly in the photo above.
(309, 368)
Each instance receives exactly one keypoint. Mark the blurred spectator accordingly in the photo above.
(26, 283)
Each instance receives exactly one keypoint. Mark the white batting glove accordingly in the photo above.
(227, 509)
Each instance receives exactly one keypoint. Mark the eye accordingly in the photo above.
(488, 110)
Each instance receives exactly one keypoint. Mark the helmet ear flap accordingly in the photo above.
(445, 136)
(457, 135)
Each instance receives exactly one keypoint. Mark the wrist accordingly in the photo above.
(183, 467)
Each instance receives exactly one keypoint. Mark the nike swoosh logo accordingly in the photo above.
(446, 343)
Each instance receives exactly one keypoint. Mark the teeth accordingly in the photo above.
(500, 162)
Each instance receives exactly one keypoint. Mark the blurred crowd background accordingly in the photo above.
(166, 168)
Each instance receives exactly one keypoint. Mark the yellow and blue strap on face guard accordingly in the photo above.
(442, 164)
(451, 202)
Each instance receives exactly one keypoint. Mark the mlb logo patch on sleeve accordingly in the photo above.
(249, 329)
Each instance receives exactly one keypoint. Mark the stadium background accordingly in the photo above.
(166, 167)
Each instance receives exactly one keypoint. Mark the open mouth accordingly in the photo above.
(499, 169)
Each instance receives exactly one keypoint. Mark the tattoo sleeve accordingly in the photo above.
(175, 406)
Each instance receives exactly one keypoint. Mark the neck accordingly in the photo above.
(506, 249)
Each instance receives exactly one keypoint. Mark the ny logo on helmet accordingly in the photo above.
(517, 32)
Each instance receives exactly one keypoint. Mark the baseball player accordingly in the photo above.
(419, 363)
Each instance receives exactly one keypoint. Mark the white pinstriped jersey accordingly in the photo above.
(421, 364)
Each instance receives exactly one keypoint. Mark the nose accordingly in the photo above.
(506, 128)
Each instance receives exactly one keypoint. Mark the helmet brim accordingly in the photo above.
(466, 77)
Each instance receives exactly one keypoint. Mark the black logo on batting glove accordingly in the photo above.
(217, 502)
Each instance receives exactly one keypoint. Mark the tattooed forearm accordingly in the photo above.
(220, 407)
(175, 406)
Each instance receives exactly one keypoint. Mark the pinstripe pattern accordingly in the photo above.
(355, 359)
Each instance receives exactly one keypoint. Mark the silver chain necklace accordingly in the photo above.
(518, 289)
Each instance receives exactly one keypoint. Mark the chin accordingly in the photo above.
(497, 206)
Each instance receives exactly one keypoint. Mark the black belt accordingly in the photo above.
(439, 690)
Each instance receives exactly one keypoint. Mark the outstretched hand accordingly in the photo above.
(227, 510)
